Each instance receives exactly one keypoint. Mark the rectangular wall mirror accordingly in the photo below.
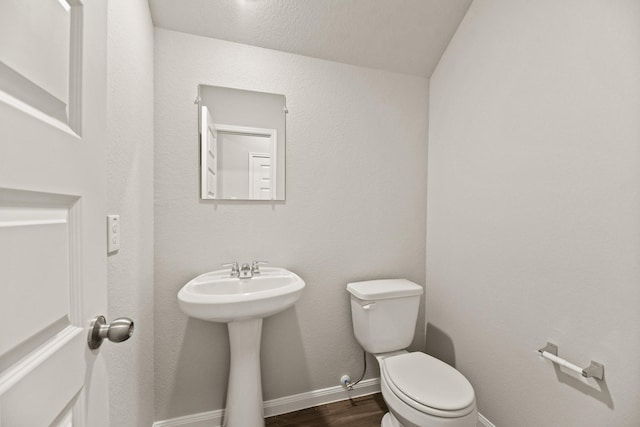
(242, 144)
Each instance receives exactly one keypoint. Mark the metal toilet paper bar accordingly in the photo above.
(594, 370)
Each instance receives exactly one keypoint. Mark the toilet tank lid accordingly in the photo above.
(384, 289)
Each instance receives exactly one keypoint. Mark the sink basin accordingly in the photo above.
(242, 304)
(217, 297)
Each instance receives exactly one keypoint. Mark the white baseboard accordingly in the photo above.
(279, 406)
(292, 403)
(324, 396)
(203, 419)
(484, 422)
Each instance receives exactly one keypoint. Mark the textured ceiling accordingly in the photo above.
(406, 36)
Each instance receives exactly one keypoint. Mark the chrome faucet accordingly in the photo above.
(255, 267)
(245, 272)
(235, 272)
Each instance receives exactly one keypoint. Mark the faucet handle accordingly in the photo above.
(255, 266)
(235, 271)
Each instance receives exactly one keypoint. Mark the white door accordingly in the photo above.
(52, 212)
(208, 155)
(260, 176)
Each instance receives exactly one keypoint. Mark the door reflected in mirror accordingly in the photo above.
(242, 140)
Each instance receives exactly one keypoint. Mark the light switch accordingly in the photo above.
(113, 233)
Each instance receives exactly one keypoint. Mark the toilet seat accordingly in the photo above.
(428, 385)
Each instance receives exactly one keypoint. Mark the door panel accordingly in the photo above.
(40, 63)
(260, 173)
(36, 41)
(209, 154)
(46, 384)
(52, 212)
(35, 249)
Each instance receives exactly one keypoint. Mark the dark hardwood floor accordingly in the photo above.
(366, 411)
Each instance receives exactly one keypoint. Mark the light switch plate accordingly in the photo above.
(113, 233)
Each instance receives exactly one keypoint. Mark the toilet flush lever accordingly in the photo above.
(369, 306)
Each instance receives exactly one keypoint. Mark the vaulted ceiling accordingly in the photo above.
(405, 36)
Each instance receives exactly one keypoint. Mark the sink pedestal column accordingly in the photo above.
(244, 391)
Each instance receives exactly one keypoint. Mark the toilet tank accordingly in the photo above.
(384, 313)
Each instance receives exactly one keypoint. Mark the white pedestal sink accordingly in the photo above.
(242, 304)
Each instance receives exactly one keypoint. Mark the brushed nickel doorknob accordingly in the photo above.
(119, 330)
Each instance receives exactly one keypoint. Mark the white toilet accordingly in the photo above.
(420, 391)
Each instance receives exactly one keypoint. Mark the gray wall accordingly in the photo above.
(130, 194)
(355, 210)
(533, 229)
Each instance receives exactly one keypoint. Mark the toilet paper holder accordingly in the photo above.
(594, 370)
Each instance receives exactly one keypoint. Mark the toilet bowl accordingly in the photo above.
(419, 390)
(423, 391)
